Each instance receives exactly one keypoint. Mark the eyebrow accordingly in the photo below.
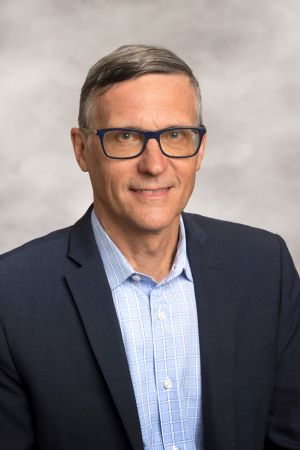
(132, 127)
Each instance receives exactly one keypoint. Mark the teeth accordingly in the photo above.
(152, 190)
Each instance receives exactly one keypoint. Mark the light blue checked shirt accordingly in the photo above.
(159, 326)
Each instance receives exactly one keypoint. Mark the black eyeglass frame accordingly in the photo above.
(147, 135)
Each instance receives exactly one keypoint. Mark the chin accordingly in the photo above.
(154, 223)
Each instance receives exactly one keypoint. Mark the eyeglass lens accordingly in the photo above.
(127, 143)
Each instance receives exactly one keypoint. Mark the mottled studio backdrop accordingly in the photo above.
(246, 54)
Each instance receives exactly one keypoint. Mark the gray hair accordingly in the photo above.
(132, 61)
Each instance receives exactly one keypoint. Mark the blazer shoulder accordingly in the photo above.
(242, 244)
(42, 245)
(224, 228)
(49, 255)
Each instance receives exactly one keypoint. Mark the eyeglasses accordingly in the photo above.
(128, 143)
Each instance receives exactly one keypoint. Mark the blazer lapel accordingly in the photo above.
(216, 332)
(92, 294)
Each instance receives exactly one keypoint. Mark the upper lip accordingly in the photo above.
(147, 188)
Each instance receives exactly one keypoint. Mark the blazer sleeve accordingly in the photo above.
(16, 424)
(283, 431)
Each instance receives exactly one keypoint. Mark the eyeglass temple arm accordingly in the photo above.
(88, 131)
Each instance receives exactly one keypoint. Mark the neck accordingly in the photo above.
(151, 253)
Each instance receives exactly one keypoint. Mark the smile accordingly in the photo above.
(160, 192)
(152, 190)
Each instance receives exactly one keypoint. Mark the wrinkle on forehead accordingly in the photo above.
(155, 100)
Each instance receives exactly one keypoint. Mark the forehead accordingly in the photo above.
(152, 94)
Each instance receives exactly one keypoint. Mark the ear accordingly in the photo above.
(80, 148)
(201, 152)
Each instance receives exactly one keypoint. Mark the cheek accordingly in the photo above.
(190, 183)
(187, 174)
(110, 181)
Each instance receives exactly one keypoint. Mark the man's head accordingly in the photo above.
(148, 89)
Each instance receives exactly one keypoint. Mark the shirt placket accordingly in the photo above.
(170, 412)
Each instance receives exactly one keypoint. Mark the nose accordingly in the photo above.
(152, 161)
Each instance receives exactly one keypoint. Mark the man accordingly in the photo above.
(142, 327)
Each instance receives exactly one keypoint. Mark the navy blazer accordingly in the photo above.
(64, 378)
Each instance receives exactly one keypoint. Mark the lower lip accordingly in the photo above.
(159, 193)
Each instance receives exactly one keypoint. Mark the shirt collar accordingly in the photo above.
(117, 267)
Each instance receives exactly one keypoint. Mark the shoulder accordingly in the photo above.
(55, 241)
(46, 260)
(242, 245)
(230, 230)
(39, 260)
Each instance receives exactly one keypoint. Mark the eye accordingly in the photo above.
(125, 135)
(174, 134)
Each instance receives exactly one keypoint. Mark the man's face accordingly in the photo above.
(147, 193)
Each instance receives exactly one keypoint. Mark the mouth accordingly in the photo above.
(154, 193)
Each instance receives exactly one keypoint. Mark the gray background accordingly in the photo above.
(246, 55)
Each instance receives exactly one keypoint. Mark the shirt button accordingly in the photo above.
(161, 315)
(136, 277)
(167, 383)
(175, 448)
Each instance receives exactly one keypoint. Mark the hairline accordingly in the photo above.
(98, 91)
